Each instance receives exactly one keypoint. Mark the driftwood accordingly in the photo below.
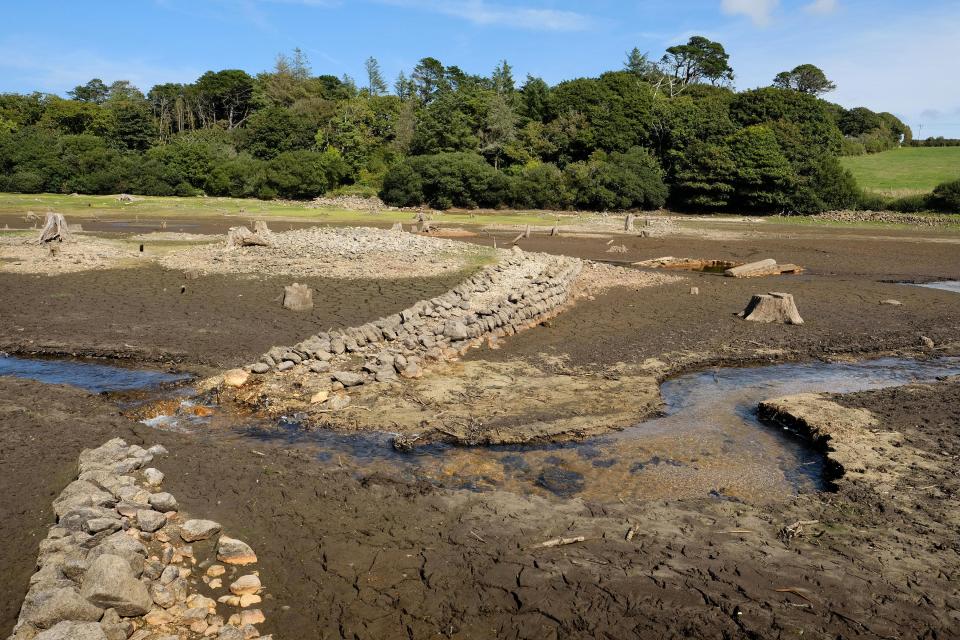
(517, 239)
(243, 237)
(55, 228)
(768, 267)
(772, 307)
(559, 542)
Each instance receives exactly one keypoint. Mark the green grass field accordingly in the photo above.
(158, 207)
(906, 171)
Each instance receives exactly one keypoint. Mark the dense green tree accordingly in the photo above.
(806, 78)
(225, 96)
(502, 78)
(274, 130)
(305, 174)
(703, 177)
(763, 178)
(131, 125)
(429, 78)
(94, 91)
(700, 59)
(534, 99)
(499, 133)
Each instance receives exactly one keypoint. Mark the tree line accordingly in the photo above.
(670, 131)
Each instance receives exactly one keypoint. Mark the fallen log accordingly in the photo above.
(768, 267)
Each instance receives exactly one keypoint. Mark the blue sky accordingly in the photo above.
(895, 55)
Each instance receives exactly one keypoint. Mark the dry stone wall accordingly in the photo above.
(500, 300)
(120, 562)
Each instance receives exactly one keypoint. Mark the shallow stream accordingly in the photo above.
(708, 443)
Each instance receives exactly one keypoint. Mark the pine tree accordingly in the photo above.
(503, 78)
(375, 83)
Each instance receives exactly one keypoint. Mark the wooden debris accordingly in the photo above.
(772, 307)
(243, 237)
(55, 228)
(630, 533)
(559, 542)
(768, 267)
(793, 530)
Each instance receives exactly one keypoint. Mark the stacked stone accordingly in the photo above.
(115, 566)
(433, 329)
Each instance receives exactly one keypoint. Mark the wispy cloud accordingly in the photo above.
(483, 13)
(45, 67)
(759, 11)
(822, 7)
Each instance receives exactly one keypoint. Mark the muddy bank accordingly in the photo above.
(219, 320)
(371, 558)
(680, 331)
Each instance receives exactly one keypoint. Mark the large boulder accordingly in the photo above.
(44, 609)
(109, 583)
(70, 630)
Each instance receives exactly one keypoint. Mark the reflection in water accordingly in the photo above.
(93, 377)
(709, 443)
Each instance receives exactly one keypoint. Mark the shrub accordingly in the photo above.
(631, 180)
(540, 186)
(910, 204)
(445, 180)
(305, 174)
(946, 197)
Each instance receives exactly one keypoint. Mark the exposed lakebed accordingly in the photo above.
(708, 443)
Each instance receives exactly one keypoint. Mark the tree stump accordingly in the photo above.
(243, 237)
(628, 223)
(772, 307)
(397, 226)
(55, 228)
(298, 297)
(555, 231)
(260, 228)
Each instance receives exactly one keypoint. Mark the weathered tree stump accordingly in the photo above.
(260, 228)
(298, 297)
(555, 231)
(772, 307)
(243, 237)
(628, 223)
(55, 228)
(397, 226)
(526, 232)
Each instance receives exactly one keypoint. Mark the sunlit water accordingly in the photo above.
(708, 443)
(946, 285)
(92, 376)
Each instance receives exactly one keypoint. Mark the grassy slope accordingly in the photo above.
(109, 206)
(905, 171)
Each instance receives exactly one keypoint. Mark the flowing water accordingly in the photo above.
(708, 443)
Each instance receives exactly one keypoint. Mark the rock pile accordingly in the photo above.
(498, 301)
(350, 252)
(918, 219)
(118, 564)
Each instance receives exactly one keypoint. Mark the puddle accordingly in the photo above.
(94, 377)
(709, 443)
(946, 285)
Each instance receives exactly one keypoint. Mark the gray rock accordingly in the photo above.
(170, 573)
(231, 633)
(348, 378)
(292, 357)
(44, 609)
(162, 595)
(109, 582)
(193, 530)
(260, 367)
(96, 525)
(153, 476)
(157, 450)
(70, 630)
(233, 551)
(150, 521)
(338, 346)
(338, 401)
(122, 545)
(163, 501)
(74, 568)
(386, 374)
(318, 366)
(286, 365)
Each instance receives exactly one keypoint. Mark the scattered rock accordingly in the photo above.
(150, 521)
(233, 551)
(193, 530)
(153, 476)
(927, 342)
(348, 378)
(338, 401)
(892, 302)
(247, 584)
(163, 501)
(319, 396)
(236, 377)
